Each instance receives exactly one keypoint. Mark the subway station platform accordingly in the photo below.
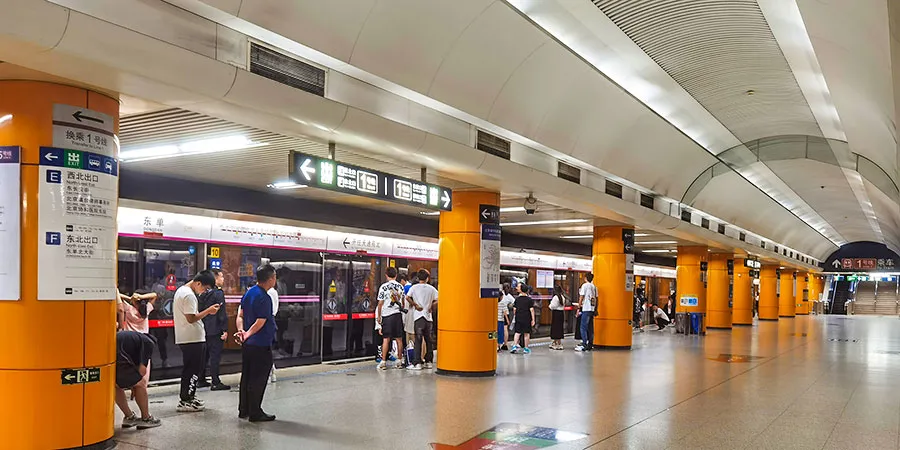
(810, 382)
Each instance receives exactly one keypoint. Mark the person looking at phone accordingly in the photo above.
(190, 335)
(216, 326)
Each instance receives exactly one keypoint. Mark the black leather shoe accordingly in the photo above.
(243, 415)
(220, 387)
(203, 384)
(263, 418)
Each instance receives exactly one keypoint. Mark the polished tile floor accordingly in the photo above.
(812, 382)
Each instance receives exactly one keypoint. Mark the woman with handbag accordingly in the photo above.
(557, 309)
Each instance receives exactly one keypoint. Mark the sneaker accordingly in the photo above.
(191, 406)
(504, 347)
(392, 358)
(272, 377)
(150, 422)
(514, 349)
(382, 365)
(428, 365)
(203, 384)
(526, 351)
(198, 401)
(579, 348)
(220, 387)
(378, 360)
(415, 367)
(129, 422)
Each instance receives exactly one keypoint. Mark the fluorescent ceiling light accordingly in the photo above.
(5, 118)
(543, 222)
(656, 242)
(282, 185)
(214, 145)
(578, 236)
(641, 234)
(656, 251)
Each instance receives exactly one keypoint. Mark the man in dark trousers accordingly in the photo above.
(256, 332)
(216, 332)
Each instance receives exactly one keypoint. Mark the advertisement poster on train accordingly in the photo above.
(9, 222)
(77, 199)
(490, 260)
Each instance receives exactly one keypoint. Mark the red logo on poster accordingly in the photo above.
(170, 282)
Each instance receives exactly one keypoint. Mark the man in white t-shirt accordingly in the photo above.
(423, 297)
(660, 317)
(389, 315)
(190, 335)
(274, 294)
(587, 306)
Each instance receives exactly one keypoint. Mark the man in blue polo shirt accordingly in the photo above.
(256, 334)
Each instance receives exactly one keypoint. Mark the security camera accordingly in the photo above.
(531, 205)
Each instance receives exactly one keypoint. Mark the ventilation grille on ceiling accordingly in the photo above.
(762, 244)
(721, 228)
(494, 145)
(704, 222)
(686, 216)
(647, 201)
(743, 237)
(569, 172)
(286, 70)
(614, 189)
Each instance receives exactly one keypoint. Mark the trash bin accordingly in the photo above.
(681, 323)
(696, 323)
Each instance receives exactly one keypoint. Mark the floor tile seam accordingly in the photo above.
(797, 398)
(699, 393)
(844, 409)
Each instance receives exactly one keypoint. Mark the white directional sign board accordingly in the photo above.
(9, 223)
(339, 177)
(84, 129)
(77, 200)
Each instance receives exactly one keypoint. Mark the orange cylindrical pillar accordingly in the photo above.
(742, 312)
(690, 285)
(467, 320)
(802, 297)
(49, 336)
(786, 301)
(718, 304)
(614, 307)
(768, 293)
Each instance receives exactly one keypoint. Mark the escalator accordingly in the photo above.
(841, 294)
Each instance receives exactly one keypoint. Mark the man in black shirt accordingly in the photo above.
(523, 310)
(216, 326)
(133, 351)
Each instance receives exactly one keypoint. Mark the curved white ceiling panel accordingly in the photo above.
(885, 209)
(484, 57)
(852, 44)
(407, 41)
(824, 187)
(732, 199)
(332, 26)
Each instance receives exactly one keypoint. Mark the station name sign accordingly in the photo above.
(336, 176)
(753, 264)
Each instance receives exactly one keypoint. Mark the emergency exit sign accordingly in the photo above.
(80, 376)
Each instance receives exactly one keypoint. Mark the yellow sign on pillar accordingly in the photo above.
(214, 252)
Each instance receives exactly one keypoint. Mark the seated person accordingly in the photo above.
(660, 317)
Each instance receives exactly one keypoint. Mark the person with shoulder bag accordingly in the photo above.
(557, 309)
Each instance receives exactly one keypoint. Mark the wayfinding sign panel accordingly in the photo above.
(335, 176)
(83, 129)
(9, 222)
(77, 225)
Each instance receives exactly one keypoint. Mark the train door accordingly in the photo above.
(348, 306)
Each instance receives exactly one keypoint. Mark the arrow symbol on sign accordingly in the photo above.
(79, 116)
(69, 377)
(445, 197)
(346, 242)
(485, 213)
(50, 157)
(836, 264)
(307, 170)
